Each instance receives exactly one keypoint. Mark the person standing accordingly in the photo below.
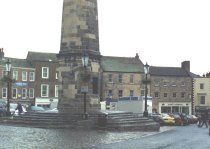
(199, 120)
(204, 117)
(19, 108)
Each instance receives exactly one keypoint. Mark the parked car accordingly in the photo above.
(167, 119)
(177, 118)
(36, 109)
(181, 119)
(3, 109)
(54, 110)
(209, 121)
(192, 119)
(156, 117)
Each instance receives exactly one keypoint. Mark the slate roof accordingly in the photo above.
(42, 56)
(168, 71)
(16, 62)
(194, 75)
(121, 64)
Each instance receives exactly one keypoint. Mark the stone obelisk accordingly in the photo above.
(79, 89)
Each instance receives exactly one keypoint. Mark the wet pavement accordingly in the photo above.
(34, 138)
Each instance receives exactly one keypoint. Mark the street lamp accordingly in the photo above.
(146, 71)
(84, 88)
(8, 69)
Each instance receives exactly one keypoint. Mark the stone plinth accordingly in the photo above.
(77, 105)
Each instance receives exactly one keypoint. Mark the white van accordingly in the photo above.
(133, 104)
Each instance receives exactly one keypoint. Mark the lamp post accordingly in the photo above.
(8, 69)
(84, 88)
(146, 71)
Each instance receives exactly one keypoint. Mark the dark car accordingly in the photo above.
(192, 119)
(3, 111)
(181, 119)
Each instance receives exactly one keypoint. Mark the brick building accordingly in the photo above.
(33, 79)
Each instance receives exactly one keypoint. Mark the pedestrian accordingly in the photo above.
(204, 117)
(199, 120)
(19, 108)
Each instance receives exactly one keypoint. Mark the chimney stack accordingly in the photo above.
(186, 65)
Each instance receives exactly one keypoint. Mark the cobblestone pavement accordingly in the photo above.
(35, 138)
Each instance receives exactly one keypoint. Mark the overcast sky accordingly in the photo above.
(162, 32)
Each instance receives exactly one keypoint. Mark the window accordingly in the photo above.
(56, 90)
(164, 84)
(201, 86)
(142, 92)
(156, 83)
(156, 94)
(165, 95)
(174, 95)
(24, 76)
(182, 95)
(131, 93)
(182, 83)
(14, 93)
(45, 72)
(110, 93)
(4, 92)
(131, 78)
(120, 93)
(31, 76)
(15, 75)
(202, 99)
(31, 92)
(120, 78)
(173, 84)
(95, 85)
(44, 90)
(24, 92)
(56, 75)
(110, 78)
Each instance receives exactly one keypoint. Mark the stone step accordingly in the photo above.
(123, 121)
(127, 121)
(145, 127)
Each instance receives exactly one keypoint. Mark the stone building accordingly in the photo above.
(121, 76)
(171, 88)
(201, 92)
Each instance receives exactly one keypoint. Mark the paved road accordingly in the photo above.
(34, 138)
(187, 137)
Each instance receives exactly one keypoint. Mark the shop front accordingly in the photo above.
(46, 102)
(170, 107)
